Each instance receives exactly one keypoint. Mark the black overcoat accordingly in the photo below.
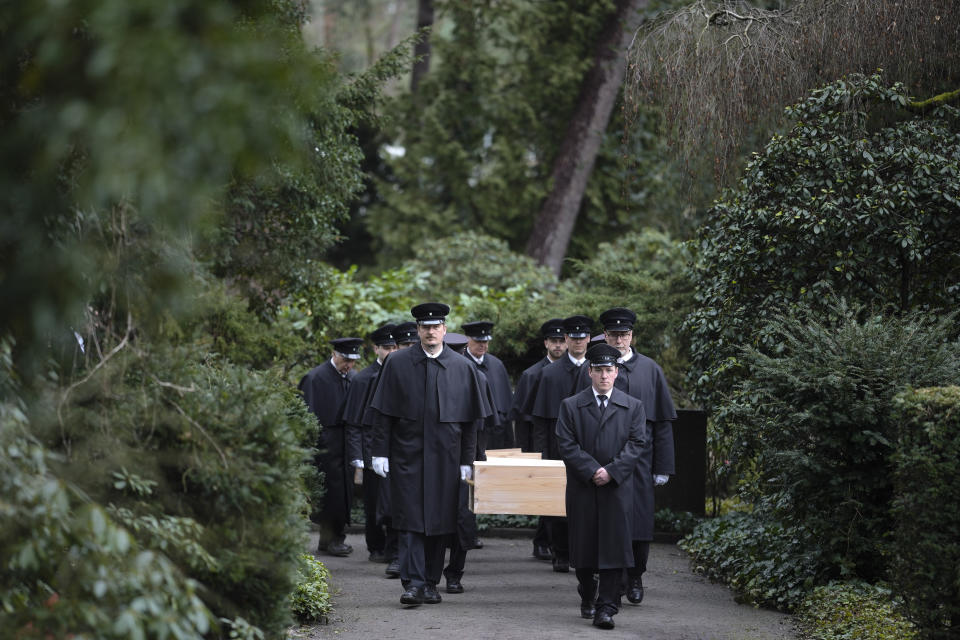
(499, 382)
(599, 517)
(642, 378)
(324, 391)
(359, 437)
(556, 382)
(427, 434)
(522, 424)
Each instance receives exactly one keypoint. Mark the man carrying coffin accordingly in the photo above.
(359, 440)
(479, 334)
(600, 433)
(425, 410)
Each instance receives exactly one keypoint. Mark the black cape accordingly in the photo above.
(522, 424)
(427, 432)
(599, 517)
(556, 382)
(324, 391)
(359, 437)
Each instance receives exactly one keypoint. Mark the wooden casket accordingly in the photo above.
(519, 483)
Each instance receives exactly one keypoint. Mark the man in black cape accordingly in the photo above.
(555, 383)
(359, 440)
(425, 410)
(479, 333)
(324, 390)
(553, 341)
(600, 434)
(643, 379)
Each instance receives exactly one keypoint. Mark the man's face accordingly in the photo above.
(556, 347)
(431, 335)
(404, 345)
(620, 340)
(342, 363)
(576, 347)
(602, 378)
(383, 350)
(477, 347)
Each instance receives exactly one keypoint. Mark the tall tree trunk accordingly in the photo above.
(421, 50)
(581, 141)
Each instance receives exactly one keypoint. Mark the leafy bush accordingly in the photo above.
(853, 611)
(816, 422)
(486, 521)
(765, 561)
(310, 601)
(925, 547)
(670, 521)
(220, 453)
(859, 196)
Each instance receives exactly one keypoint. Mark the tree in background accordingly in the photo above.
(724, 71)
(475, 145)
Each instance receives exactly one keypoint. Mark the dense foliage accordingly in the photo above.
(473, 146)
(817, 423)
(853, 610)
(925, 547)
(860, 197)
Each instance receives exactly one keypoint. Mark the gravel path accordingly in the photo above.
(509, 594)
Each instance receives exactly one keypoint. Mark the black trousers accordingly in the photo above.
(458, 559)
(421, 558)
(559, 536)
(608, 595)
(542, 536)
(374, 533)
(641, 551)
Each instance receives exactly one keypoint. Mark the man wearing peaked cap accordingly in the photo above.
(479, 333)
(556, 382)
(424, 411)
(600, 435)
(359, 441)
(553, 341)
(643, 379)
(406, 334)
(324, 389)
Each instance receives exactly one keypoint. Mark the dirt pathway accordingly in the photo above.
(509, 594)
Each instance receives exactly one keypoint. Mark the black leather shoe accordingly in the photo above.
(635, 590)
(454, 586)
(477, 543)
(339, 549)
(542, 552)
(587, 610)
(603, 620)
(393, 569)
(412, 597)
(561, 566)
(431, 595)
(377, 556)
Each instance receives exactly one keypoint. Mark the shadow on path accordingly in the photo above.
(509, 594)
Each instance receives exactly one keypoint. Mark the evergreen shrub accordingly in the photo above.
(310, 601)
(818, 426)
(925, 545)
(854, 610)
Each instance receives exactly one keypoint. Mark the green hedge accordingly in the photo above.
(925, 547)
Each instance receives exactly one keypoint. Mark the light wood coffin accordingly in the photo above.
(513, 453)
(521, 486)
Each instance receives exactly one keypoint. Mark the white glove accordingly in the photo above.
(381, 466)
(465, 472)
(357, 463)
(660, 480)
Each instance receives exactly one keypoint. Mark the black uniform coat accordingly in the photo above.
(426, 436)
(642, 378)
(599, 517)
(325, 390)
(522, 422)
(499, 382)
(557, 382)
(360, 438)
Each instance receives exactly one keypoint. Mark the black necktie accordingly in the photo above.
(603, 402)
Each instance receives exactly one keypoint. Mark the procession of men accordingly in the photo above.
(414, 422)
